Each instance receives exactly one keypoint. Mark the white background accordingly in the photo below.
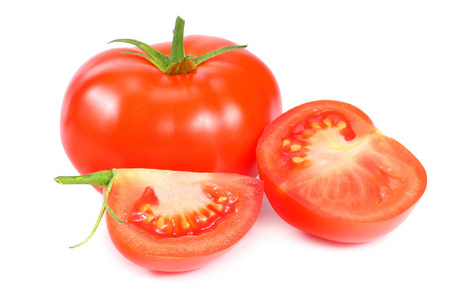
(389, 58)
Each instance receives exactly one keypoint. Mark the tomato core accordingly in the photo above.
(172, 215)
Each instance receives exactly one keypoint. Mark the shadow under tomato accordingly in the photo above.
(329, 243)
(170, 274)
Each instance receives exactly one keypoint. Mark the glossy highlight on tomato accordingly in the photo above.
(121, 111)
(329, 172)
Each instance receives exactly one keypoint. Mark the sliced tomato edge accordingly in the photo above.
(162, 263)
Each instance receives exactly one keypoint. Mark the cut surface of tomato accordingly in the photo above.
(179, 221)
(331, 173)
(177, 216)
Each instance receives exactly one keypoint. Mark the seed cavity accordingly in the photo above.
(182, 215)
(296, 146)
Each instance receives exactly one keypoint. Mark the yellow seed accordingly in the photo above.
(316, 126)
(327, 122)
(160, 223)
(147, 219)
(217, 206)
(201, 217)
(222, 199)
(286, 142)
(144, 207)
(184, 223)
(305, 132)
(210, 213)
(295, 147)
(298, 160)
(342, 125)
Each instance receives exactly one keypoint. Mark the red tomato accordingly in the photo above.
(180, 221)
(329, 172)
(120, 111)
(174, 221)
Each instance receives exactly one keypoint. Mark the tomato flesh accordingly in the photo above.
(331, 173)
(179, 221)
(178, 216)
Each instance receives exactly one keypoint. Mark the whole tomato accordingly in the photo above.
(163, 109)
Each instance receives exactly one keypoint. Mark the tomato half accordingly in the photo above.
(120, 111)
(179, 221)
(329, 172)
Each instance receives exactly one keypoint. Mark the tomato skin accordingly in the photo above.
(300, 209)
(120, 111)
(299, 216)
(162, 263)
(188, 252)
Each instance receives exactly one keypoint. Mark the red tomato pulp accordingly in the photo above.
(329, 172)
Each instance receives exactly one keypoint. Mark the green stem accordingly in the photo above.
(99, 218)
(177, 51)
(102, 178)
(178, 62)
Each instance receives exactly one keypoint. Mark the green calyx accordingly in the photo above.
(178, 62)
(103, 179)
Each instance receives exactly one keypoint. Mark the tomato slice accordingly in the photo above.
(179, 221)
(331, 173)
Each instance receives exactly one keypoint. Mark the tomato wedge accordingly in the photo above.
(329, 172)
(176, 221)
